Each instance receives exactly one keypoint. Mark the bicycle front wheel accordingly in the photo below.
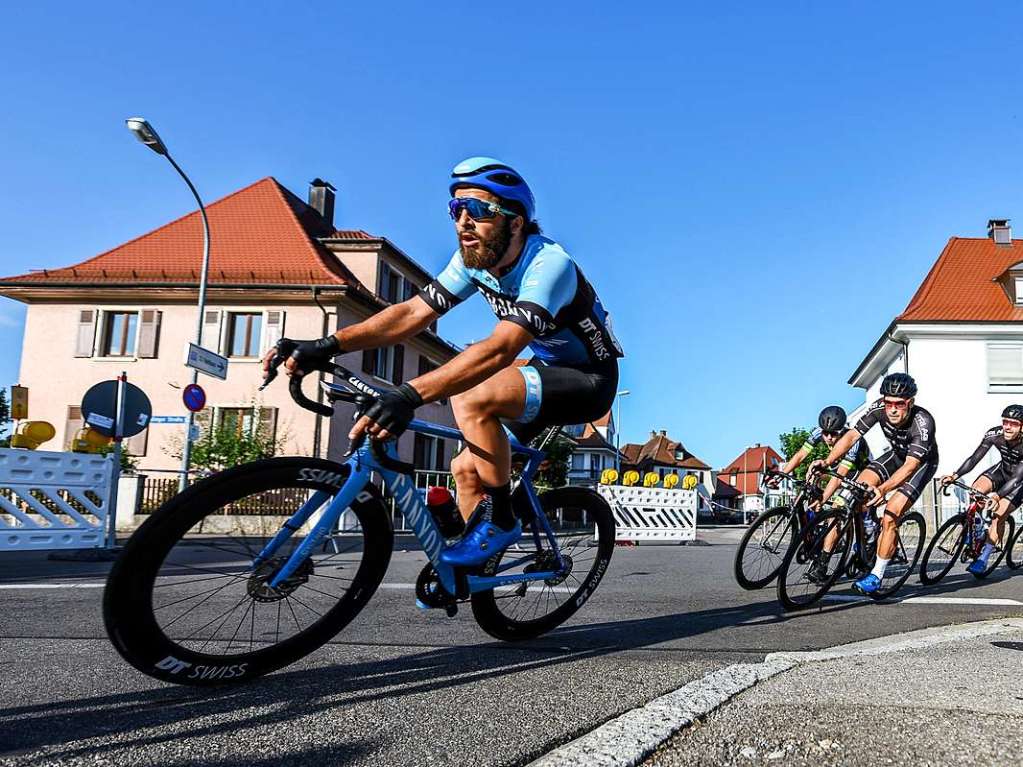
(944, 550)
(184, 602)
(809, 570)
(763, 547)
(585, 534)
(1015, 556)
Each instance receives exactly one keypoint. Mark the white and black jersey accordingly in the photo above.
(915, 438)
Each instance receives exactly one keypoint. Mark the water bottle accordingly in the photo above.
(444, 511)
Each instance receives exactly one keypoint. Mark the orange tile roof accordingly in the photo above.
(963, 284)
(748, 466)
(261, 234)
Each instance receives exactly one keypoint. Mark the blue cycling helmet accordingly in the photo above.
(497, 178)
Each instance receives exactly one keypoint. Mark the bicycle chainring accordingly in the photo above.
(430, 591)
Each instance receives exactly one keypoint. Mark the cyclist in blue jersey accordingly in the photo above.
(542, 301)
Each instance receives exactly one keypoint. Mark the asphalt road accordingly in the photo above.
(402, 686)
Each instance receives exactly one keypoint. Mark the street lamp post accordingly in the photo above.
(618, 431)
(145, 133)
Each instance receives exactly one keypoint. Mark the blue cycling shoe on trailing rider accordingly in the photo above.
(868, 584)
(480, 544)
(978, 567)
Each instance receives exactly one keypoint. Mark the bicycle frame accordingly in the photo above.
(362, 463)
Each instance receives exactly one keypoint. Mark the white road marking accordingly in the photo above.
(101, 584)
(983, 601)
(630, 738)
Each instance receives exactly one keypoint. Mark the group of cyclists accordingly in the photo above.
(898, 477)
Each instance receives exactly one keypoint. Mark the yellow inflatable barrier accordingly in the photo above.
(651, 479)
(31, 434)
(630, 478)
(608, 476)
(690, 482)
(88, 440)
(670, 481)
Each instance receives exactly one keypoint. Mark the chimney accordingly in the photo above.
(653, 434)
(998, 229)
(664, 432)
(321, 197)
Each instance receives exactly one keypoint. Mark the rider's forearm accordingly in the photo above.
(901, 475)
(842, 447)
(385, 328)
(973, 460)
(833, 484)
(794, 462)
(469, 368)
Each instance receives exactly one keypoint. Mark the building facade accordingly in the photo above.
(746, 475)
(961, 338)
(278, 267)
(594, 450)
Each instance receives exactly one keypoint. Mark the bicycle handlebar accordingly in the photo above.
(974, 494)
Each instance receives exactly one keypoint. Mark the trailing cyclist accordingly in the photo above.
(831, 427)
(542, 301)
(1002, 483)
(905, 468)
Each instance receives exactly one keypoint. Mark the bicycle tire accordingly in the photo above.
(1015, 556)
(916, 540)
(1008, 535)
(487, 605)
(938, 542)
(128, 600)
(795, 591)
(781, 518)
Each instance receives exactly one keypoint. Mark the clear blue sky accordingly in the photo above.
(754, 193)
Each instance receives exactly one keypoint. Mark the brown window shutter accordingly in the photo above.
(149, 332)
(72, 425)
(137, 445)
(268, 422)
(399, 364)
(211, 330)
(368, 360)
(86, 335)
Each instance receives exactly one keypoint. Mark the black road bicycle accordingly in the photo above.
(808, 571)
(961, 538)
(764, 545)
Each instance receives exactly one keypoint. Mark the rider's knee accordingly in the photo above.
(475, 402)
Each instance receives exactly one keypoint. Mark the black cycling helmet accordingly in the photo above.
(832, 419)
(1014, 412)
(898, 385)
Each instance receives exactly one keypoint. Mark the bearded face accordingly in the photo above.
(484, 251)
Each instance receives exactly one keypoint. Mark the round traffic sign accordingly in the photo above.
(99, 409)
(194, 397)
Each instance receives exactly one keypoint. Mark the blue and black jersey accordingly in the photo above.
(856, 459)
(545, 292)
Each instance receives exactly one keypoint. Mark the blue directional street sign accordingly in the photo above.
(168, 419)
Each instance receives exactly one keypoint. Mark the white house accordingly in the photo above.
(961, 338)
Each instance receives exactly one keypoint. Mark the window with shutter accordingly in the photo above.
(244, 332)
(120, 332)
(86, 335)
(149, 333)
(72, 425)
(1005, 367)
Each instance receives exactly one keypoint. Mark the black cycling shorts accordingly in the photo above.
(564, 395)
(914, 485)
(999, 476)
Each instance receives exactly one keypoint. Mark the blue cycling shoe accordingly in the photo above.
(867, 585)
(479, 545)
(978, 567)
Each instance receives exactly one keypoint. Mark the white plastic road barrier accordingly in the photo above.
(651, 513)
(53, 500)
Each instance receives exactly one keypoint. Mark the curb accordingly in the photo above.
(628, 739)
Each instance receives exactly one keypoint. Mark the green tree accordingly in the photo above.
(129, 463)
(5, 419)
(793, 441)
(554, 471)
(233, 441)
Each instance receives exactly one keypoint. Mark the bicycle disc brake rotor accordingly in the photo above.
(548, 560)
(259, 582)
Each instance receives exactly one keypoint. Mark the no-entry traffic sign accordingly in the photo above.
(194, 397)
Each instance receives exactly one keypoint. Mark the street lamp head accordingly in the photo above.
(145, 133)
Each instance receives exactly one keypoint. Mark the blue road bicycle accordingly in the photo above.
(253, 568)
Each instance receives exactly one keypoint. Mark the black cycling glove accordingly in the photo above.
(314, 355)
(394, 409)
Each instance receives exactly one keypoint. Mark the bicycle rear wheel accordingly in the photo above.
(1015, 556)
(763, 546)
(184, 604)
(944, 550)
(912, 532)
(527, 610)
(799, 586)
(1008, 534)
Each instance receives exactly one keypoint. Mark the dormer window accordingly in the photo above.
(1017, 281)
